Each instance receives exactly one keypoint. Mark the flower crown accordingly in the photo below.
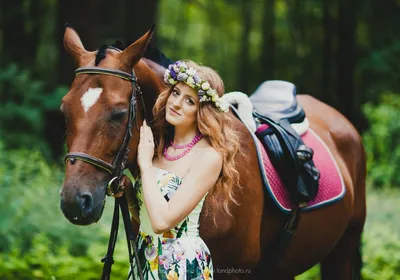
(180, 72)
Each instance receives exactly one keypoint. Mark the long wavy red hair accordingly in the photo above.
(216, 128)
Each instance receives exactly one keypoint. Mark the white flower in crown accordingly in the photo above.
(191, 72)
(182, 76)
(223, 106)
(205, 86)
(190, 82)
(214, 98)
(210, 91)
(176, 68)
(166, 76)
(172, 81)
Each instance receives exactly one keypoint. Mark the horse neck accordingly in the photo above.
(150, 83)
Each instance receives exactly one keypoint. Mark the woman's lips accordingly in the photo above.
(174, 112)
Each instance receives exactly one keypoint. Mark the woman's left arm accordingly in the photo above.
(164, 214)
(201, 178)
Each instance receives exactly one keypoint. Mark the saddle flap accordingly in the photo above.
(276, 100)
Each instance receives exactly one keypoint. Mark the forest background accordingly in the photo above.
(345, 53)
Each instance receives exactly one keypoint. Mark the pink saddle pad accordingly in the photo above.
(331, 185)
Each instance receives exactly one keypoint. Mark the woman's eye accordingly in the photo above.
(175, 93)
(190, 101)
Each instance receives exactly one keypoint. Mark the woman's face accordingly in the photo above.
(182, 106)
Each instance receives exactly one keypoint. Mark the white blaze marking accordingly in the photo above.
(90, 97)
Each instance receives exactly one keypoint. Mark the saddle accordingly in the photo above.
(275, 111)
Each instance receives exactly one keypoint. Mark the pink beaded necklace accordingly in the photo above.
(187, 148)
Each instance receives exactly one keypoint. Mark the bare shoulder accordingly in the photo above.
(209, 158)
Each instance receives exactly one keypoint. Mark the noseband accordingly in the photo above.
(118, 165)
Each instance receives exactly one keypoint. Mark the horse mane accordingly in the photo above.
(101, 53)
(156, 55)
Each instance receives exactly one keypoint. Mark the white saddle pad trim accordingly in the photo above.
(245, 110)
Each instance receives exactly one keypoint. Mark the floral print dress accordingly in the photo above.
(177, 254)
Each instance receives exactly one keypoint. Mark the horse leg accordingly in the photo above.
(344, 261)
(229, 276)
(267, 275)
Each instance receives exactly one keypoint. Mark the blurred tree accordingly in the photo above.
(20, 25)
(327, 88)
(267, 60)
(346, 58)
(128, 20)
(244, 63)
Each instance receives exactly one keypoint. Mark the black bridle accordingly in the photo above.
(116, 169)
(118, 165)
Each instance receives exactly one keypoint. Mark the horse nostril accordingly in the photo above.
(86, 204)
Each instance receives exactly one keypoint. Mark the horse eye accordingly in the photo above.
(117, 116)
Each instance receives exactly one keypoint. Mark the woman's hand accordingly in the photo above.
(146, 147)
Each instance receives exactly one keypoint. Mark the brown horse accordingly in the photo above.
(96, 111)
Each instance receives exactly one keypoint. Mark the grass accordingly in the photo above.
(381, 238)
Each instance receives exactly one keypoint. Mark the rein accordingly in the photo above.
(116, 169)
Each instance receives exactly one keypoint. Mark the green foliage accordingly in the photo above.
(381, 239)
(382, 141)
(23, 103)
(36, 241)
(381, 247)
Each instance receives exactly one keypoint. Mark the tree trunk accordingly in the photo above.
(346, 58)
(139, 17)
(327, 88)
(128, 20)
(244, 57)
(267, 60)
(20, 27)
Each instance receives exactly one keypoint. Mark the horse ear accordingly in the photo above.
(132, 54)
(73, 44)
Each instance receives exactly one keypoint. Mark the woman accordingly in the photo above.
(193, 156)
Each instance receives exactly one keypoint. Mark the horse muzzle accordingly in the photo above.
(82, 207)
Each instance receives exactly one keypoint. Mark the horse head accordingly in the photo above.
(103, 111)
